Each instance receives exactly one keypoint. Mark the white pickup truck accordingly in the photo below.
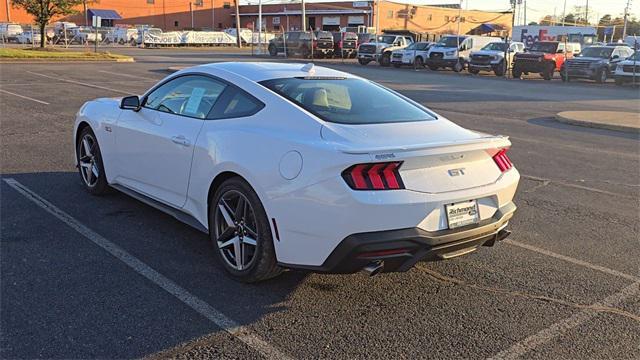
(380, 49)
(491, 57)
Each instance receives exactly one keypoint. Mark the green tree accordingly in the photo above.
(44, 11)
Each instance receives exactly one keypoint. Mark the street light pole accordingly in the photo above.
(239, 41)
(259, 26)
(304, 18)
(213, 16)
(377, 18)
(626, 17)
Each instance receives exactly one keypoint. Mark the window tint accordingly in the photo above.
(348, 101)
(192, 96)
(236, 103)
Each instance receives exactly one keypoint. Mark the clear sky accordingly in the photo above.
(536, 9)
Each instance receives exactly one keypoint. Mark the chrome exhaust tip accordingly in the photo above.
(373, 268)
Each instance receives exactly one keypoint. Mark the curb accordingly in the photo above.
(596, 125)
(69, 61)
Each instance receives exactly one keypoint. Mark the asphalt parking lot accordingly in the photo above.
(109, 277)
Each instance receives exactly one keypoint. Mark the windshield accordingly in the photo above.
(597, 52)
(635, 56)
(450, 41)
(546, 47)
(411, 47)
(387, 39)
(499, 46)
(348, 101)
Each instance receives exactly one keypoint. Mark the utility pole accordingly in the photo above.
(626, 17)
(191, 11)
(525, 13)
(458, 35)
(304, 18)
(86, 15)
(586, 12)
(239, 41)
(377, 18)
(213, 16)
(259, 26)
(564, 12)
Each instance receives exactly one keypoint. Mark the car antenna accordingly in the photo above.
(309, 68)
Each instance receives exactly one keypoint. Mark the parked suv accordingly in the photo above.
(628, 70)
(380, 49)
(491, 57)
(453, 51)
(543, 57)
(301, 43)
(595, 62)
(345, 44)
(9, 32)
(414, 53)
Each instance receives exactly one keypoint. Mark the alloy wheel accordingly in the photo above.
(88, 160)
(236, 230)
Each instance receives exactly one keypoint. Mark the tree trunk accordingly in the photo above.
(43, 37)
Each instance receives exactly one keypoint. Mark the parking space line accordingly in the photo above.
(128, 75)
(203, 308)
(545, 335)
(572, 260)
(80, 83)
(24, 97)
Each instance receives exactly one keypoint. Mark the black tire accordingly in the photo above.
(363, 61)
(433, 67)
(396, 65)
(419, 62)
(548, 72)
(121, 42)
(273, 51)
(264, 264)
(385, 60)
(100, 186)
(473, 71)
(516, 72)
(601, 76)
(500, 69)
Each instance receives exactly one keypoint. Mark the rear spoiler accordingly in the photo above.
(487, 142)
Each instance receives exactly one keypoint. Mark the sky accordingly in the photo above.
(536, 9)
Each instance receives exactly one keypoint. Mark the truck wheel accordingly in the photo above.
(419, 62)
(601, 76)
(121, 41)
(516, 72)
(473, 71)
(385, 60)
(364, 61)
(548, 73)
(500, 69)
(433, 67)
(273, 51)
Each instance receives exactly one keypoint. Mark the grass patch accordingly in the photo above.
(56, 54)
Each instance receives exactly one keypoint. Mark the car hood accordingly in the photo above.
(364, 138)
(488, 52)
(590, 59)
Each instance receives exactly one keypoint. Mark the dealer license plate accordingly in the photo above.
(462, 213)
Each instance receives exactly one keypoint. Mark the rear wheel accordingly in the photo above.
(433, 67)
(240, 231)
(89, 159)
(419, 62)
(516, 72)
(547, 74)
(473, 71)
(272, 50)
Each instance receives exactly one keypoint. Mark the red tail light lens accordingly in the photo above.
(374, 176)
(502, 160)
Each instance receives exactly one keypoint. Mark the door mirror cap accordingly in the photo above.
(130, 103)
(615, 57)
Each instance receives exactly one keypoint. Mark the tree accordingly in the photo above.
(44, 11)
(533, 23)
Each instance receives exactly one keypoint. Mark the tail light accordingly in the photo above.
(374, 176)
(502, 160)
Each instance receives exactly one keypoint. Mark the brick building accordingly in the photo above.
(200, 14)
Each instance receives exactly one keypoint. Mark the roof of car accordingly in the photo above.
(259, 71)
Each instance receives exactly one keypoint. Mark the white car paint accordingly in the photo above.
(625, 69)
(294, 160)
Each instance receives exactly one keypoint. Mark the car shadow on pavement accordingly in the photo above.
(175, 250)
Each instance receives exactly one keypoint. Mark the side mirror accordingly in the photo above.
(130, 103)
(560, 51)
(615, 57)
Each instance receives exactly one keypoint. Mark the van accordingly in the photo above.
(9, 32)
(453, 51)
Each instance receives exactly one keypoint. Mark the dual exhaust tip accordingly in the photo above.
(375, 267)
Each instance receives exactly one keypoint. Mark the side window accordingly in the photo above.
(191, 95)
(236, 103)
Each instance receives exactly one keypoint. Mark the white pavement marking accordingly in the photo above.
(545, 335)
(80, 83)
(572, 260)
(200, 306)
(127, 75)
(25, 97)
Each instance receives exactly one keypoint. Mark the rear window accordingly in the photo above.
(348, 101)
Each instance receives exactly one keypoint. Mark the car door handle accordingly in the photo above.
(181, 140)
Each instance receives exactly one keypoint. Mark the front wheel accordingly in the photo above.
(240, 231)
(601, 76)
(90, 166)
(433, 67)
(419, 62)
(363, 61)
(500, 69)
(473, 71)
(273, 51)
(547, 74)
(516, 72)
(385, 60)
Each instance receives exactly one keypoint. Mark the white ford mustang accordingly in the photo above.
(292, 166)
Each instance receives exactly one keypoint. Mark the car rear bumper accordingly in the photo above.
(399, 250)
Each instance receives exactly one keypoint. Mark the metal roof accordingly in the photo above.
(105, 14)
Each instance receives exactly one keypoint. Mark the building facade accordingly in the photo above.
(220, 14)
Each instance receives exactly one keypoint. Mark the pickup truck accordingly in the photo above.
(491, 57)
(380, 50)
(414, 53)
